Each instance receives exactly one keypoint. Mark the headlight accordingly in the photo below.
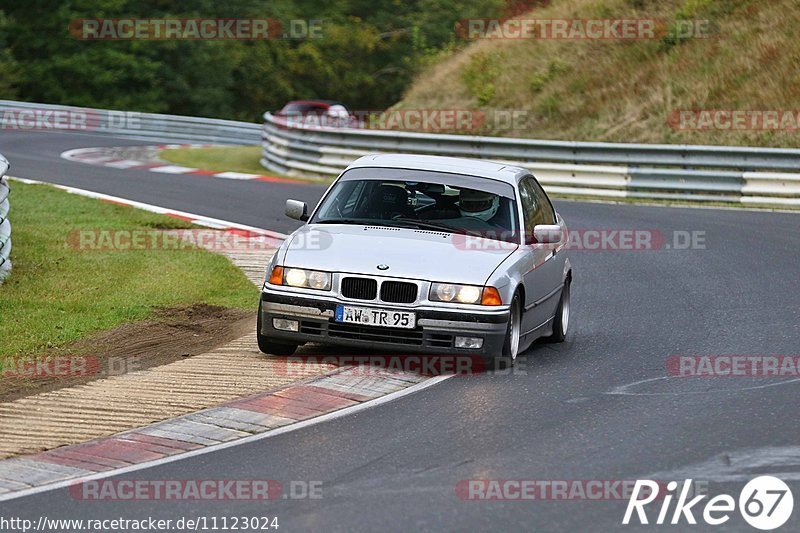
(298, 277)
(464, 294)
(295, 277)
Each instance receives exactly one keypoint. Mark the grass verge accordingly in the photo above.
(221, 158)
(58, 294)
(225, 159)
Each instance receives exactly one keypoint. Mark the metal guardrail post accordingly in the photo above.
(5, 224)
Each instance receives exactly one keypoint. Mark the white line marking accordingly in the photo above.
(624, 390)
(125, 163)
(237, 175)
(101, 160)
(245, 440)
(196, 219)
(740, 466)
(172, 169)
(79, 154)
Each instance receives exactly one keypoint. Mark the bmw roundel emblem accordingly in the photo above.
(383, 267)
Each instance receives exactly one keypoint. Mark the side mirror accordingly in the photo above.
(297, 210)
(547, 233)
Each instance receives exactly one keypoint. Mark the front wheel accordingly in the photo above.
(561, 319)
(270, 346)
(511, 345)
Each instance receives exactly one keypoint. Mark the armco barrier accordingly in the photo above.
(26, 116)
(5, 224)
(755, 176)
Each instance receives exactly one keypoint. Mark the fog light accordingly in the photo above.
(285, 325)
(474, 343)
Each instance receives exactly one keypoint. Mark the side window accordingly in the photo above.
(345, 199)
(546, 213)
(530, 208)
(352, 200)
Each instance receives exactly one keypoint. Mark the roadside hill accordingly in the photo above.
(633, 90)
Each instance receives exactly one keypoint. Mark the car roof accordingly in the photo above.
(326, 103)
(454, 165)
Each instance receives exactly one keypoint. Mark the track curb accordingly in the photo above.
(143, 158)
(227, 424)
(236, 421)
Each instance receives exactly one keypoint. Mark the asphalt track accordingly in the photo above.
(584, 410)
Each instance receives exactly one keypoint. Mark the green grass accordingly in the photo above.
(226, 159)
(57, 294)
(222, 158)
(625, 91)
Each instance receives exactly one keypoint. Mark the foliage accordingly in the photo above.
(367, 55)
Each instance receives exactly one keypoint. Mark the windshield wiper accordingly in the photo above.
(405, 222)
(425, 224)
(345, 221)
(438, 226)
(364, 222)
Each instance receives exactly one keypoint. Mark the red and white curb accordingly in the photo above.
(238, 422)
(199, 220)
(145, 158)
(234, 423)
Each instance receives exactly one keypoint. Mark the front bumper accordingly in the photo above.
(435, 332)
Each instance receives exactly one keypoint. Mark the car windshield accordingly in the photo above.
(422, 200)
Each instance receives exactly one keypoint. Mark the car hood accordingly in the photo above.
(409, 253)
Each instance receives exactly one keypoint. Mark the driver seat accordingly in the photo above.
(389, 201)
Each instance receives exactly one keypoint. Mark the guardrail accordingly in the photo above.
(5, 224)
(26, 116)
(754, 176)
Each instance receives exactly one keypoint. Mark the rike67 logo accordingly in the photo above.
(766, 503)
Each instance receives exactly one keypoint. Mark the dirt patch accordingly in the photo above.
(173, 334)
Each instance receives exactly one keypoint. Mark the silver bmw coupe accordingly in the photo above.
(421, 254)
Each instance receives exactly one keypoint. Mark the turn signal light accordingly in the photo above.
(491, 297)
(276, 278)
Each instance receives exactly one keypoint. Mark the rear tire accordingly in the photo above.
(270, 346)
(561, 319)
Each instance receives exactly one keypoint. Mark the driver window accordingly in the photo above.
(546, 214)
(530, 208)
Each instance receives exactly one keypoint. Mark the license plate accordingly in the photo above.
(368, 316)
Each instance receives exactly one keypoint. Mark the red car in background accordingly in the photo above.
(316, 113)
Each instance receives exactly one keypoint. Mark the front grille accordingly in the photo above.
(359, 288)
(398, 292)
(311, 328)
(440, 340)
(412, 337)
(408, 337)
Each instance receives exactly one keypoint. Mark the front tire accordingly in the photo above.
(511, 345)
(561, 319)
(270, 346)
